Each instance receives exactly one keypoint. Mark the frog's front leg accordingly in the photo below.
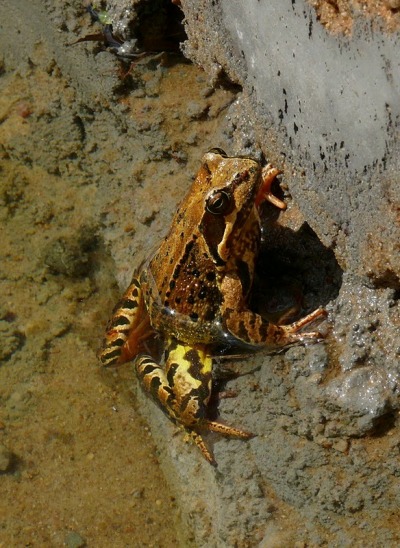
(253, 328)
(269, 174)
(183, 390)
(128, 327)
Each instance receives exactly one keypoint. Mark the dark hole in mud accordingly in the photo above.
(160, 26)
(383, 424)
(295, 274)
(388, 279)
(225, 82)
(157, 30)
(9, 462)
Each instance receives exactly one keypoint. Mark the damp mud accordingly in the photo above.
(84, 169)
(79, 466)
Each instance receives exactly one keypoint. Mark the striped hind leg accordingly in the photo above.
(156, 383)
(128, 327)
(183, 391)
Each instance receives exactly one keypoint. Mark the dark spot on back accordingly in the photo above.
(202, 294)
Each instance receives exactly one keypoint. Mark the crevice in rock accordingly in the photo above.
(159, 26)
(295, 272)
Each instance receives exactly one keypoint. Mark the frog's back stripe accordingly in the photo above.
(126, 322)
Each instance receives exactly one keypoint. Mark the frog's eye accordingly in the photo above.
(218, 151)
(219, 203)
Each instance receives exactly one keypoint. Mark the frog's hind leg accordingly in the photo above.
(160, 385)
(154, 381)
(228, 431)
(220, 428)
(128, 327)
(198, 440)
(183, 391)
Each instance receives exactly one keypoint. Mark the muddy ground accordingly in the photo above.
(95, 154)
(78, 463)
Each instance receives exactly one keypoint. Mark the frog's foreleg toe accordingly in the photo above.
(269, 173)
(315, 315)
(292, 333)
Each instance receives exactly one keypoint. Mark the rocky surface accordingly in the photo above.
(327, 110)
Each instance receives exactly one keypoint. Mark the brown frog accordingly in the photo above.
(193, 292)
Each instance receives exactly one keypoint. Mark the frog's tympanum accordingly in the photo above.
(193, 294)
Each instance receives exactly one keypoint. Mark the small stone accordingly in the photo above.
(341, 446)
(323, 442)
(195, 111)
(71, 256)
(138, 93)
(74, 540)
(152, 88)
(393, 4)
(11, 340)
(6, 458)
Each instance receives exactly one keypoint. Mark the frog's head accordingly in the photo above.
(228, 188)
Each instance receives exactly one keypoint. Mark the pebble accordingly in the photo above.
(341, 445)
(5, 458)
(74, 540)
(195, 111)
(393, 4)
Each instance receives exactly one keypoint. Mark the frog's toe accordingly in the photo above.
(285, 335)
(198, 440)
(317, 314)
(222, 429)
(229, 431)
